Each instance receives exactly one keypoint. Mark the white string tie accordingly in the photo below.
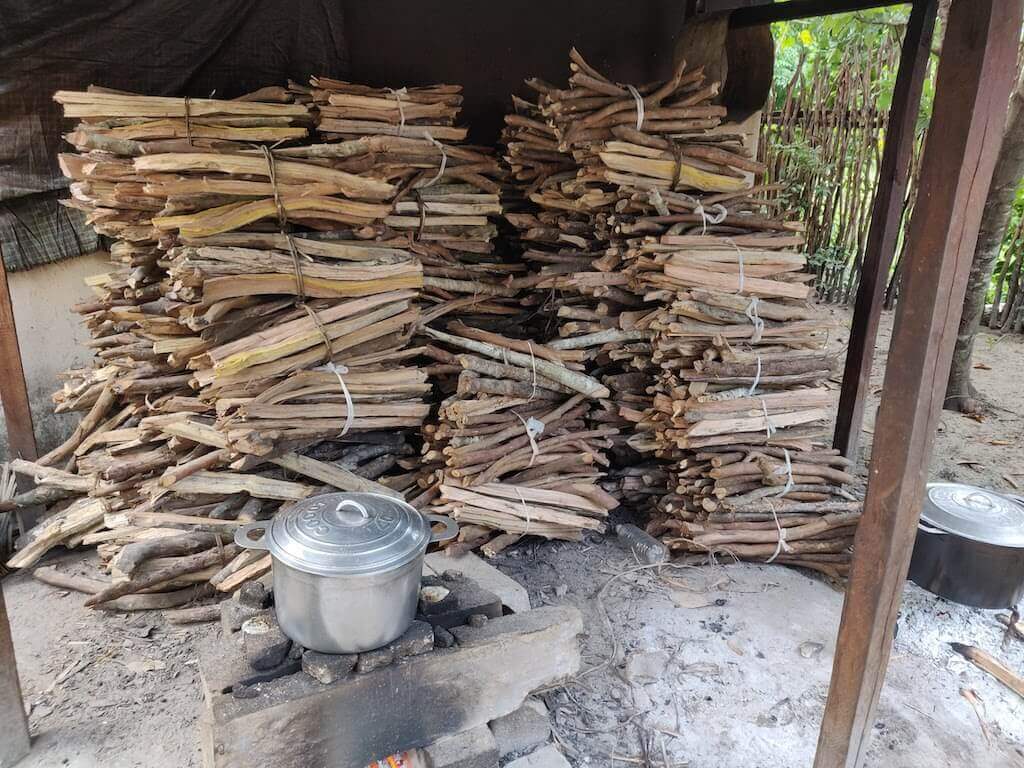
(717, 217)
(714, 218)
(533, 362)
(444, 158)
(533, 428)
(789, 474)
(639, 106)
(756, 321)
(526, 510)
(398, 94)
(350, 415)
(782, 546)
(739, 254)
(757, 380)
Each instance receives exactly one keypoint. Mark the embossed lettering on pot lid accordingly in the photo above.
(348, 534)
(977, 514)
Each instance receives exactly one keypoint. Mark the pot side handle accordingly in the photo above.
(929, 529)
(242, 535)
(451, 528)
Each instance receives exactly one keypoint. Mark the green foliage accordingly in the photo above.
(829, 41)
(833, 256)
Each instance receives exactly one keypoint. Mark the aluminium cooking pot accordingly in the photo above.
(347, 568)
(970, 546)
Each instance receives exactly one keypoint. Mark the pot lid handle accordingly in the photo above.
(451, 528)
(347, 518)
(243, 539)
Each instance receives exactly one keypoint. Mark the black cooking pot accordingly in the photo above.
(970, 546)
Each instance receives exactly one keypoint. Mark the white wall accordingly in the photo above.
(51, 337)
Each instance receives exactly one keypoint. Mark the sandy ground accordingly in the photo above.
(725, 666)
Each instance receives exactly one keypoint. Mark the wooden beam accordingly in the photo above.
(14, 741)
(973, 87)
(13, 393)
(750, 13)
(885, 224)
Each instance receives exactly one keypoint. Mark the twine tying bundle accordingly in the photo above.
(444, 159)
(639, 105)
(757, 322)
(526, 511)
(757, 380)
(398, 94)
(300, 289)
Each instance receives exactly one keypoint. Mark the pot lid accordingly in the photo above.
(975, 513)
(341, 534)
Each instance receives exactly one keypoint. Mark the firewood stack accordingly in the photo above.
(682, 286)
(254, 340)
(740, 408)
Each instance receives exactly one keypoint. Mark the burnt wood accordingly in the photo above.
(885, 225)
(973, 86)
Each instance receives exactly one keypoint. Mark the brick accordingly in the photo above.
(443, 638)
(253, 594)
(474, 748)
(264, 644)
(326, 668)
(295, 722)
(417, 639)
(545, 757)
(375, 659)
(522, 730)
(234, 613)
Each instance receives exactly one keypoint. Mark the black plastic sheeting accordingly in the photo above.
(229, 47)
(156, 47)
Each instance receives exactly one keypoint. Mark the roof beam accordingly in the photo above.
(752, 13)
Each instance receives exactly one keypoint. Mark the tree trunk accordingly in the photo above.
(960, 392)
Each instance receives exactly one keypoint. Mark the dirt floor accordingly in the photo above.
(723, 666)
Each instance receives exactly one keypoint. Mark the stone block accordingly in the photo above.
(326, 668)
(522, 730)
(264, 644)
(474, 748)
(417, 639)
(511, 592)
(295, 722)
(545, 757)
(253, 594)
(234, 613)
(375, 659)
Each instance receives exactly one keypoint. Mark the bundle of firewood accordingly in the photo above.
(509, 450)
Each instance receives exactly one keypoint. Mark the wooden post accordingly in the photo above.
(885, 224)
(975, 76)
(13, 393)
(14, 741)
